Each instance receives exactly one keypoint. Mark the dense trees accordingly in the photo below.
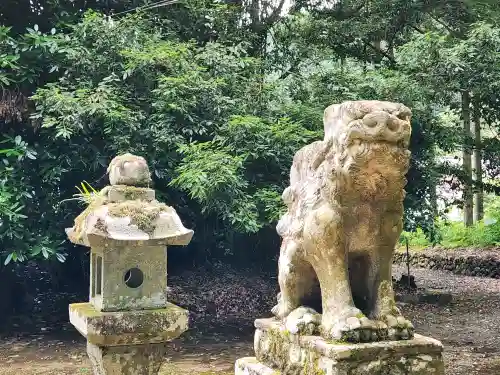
(219, 95)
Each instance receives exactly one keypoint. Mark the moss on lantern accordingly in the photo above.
(143, 214)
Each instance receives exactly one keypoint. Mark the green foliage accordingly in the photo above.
(416, 239)
(86, 194)
(214, 178)
(24, 59)
(130, 86)
(479, 235)
(455, 234)
(15, 196)
(218, 97)
(241, 172)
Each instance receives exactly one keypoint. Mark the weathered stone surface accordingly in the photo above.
(115, 293)
(120, 193)
(424, 365)
(136, 222)
(128, 169)
(278, 349)
(128, 327)
(126, 213)
(343, 219)
(97, 240)
(126, 360)
(430, 296)
(250, 366)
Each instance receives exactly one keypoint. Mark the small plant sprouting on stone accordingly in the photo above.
(86, 194)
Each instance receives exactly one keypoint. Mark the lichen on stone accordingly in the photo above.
(311, 366)
(143, 214)
(117, 168)
(132, 192)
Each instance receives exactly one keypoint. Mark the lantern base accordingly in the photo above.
(128, 327)
(126, 360)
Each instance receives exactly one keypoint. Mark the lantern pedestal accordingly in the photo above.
(128, 342)
(126, 360)
(128, 327)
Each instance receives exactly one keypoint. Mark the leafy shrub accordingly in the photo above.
(455, 234)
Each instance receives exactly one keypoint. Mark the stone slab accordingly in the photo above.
(96, 240)
(430, 296)
(128, 327)
(120, 193)
(250, 366)
(279, 350)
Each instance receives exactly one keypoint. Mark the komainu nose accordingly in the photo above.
(386, 126)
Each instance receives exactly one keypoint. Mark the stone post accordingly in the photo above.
(128, 320)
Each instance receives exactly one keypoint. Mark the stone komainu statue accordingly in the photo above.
(344, 217)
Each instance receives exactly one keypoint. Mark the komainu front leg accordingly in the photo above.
(384, 308)
(325, 249)
(295, 278)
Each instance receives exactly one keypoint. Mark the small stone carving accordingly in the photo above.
(343, 219)
(128, 169)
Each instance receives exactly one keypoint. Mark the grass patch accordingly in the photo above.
(455, 234)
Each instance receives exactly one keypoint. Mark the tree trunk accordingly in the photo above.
(478, 170)
(434, 204)
(468, 193)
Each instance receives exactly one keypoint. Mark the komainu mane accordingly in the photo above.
(344, 217)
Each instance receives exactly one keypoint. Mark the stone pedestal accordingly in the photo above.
(279, 352)
(131, 359)
(128, 342)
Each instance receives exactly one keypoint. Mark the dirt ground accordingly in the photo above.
(469, 328)
(207, 350)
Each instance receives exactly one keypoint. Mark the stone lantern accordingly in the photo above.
(128, 319)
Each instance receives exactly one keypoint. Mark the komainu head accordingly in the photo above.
(369, 151)
(369, 121)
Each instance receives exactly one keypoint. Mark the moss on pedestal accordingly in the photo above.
(308, 355)
(132, 193)
(142, 213)
(129, 327)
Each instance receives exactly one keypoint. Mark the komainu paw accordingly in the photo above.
(399, 328)
(357, 329)
(303, 321)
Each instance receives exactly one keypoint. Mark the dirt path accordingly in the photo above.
(199, 352)
(469, 328)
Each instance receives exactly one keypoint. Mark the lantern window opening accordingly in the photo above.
(133, 278)
(97, 271)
